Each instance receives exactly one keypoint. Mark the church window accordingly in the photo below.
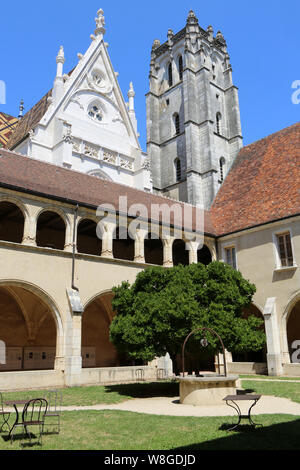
(95, 113)
(218, 121)
(178, 170)
(177, 123)
(170, 75)
(285, 249)
(180, 67)
(222, 167)
(97, 78)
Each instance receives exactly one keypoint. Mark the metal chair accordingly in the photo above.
(33, 415)
(54, 399)
(5, 414)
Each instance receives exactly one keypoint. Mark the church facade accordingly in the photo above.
(77, 150)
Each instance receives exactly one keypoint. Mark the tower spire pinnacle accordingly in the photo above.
(21, 109)
(100, 23)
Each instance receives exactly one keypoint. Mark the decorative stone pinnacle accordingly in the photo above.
(220, 36)
(60, 59)
(156, 44)
(131, 92)
(100, 23)
(21, 109)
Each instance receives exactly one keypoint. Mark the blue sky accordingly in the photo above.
(262, 36)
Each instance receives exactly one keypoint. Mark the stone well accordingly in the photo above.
(206, 390)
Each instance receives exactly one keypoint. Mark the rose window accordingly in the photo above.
(95, 113)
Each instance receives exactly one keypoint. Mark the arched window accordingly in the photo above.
(50, 231)
(218, 122)
(180, 67)
(11, 222)
(222, 168)
(177, 123)
(170, 74)
(87, 239)
(178, 170)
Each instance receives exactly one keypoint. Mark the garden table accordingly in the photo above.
(245, 397)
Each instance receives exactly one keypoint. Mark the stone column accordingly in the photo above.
(168, 255)
(193, 252)
(73, 361)
(274, 358)
(139, 246)
(108, 229)
(69, 235)
(29, 234)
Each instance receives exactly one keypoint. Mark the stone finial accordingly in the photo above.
(131, 92)
(60, 59)
(21, 109)
(100, 23)
(220, 36)
(156, 44)
(210, 32)
(170, 33)
(131, 95)
(192, 18)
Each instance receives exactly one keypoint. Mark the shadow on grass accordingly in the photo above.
(146, 390)
(282, 436)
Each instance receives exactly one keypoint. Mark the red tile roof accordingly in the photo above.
(262, 185)
(51, 181)
(7, 127)
(29, 121)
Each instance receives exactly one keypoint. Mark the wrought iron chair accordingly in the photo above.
(54, 399)
(33, 415)
(5, 414)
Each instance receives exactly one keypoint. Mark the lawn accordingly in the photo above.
(109, 395)
(286, 389)
(122, 430)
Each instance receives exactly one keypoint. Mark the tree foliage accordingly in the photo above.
(155, 314)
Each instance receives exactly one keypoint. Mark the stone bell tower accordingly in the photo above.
(193, 117)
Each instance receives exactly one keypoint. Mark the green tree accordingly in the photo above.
(155, 314)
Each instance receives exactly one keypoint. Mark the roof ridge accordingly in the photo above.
(53, 165)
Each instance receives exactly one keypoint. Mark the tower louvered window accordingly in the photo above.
(170, 75)
(180, 67)
(177, 124)
(218, 122)
(178, 170)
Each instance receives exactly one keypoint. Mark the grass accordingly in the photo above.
(121, 430)
(287, 389)
(268, 377)
(109, 395)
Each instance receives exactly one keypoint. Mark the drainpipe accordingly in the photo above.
(74, 247)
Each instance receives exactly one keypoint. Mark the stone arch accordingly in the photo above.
(87, 241)
(48, 239)
(99, 174)
(204, 254)
(259, 356)
(32, 325)
(12, 220)
(290, 325)
(17, 201)
(97, 350)
(180, 252)
(153, 249)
